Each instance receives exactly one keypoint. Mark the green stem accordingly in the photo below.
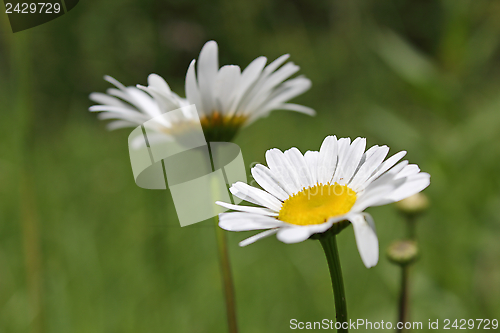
(405, 286)
(329, 243)
(403, 297)
(224, 262)
(412, 228)
(404, 293)
(227, 279)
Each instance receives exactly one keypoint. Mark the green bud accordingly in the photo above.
(413, 205)
(403, 252)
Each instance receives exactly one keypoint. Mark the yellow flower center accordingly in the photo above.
(315, 205)
(215, 119)
(218, 127)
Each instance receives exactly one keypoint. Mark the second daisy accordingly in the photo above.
(317, 194)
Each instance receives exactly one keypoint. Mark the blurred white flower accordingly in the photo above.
(307, 194)
(226, 98)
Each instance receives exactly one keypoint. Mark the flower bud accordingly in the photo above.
(414, 204)
(403, 252)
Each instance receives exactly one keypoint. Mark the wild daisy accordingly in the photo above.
(308, 194)
(226, 98)
(313, 195)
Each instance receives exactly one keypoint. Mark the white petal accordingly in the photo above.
(261, 235)
(117, 124)
(242, 196)
(367, 154)
(281, 74)
(327, 160)
(238, 221)
(144, 102)
(395, 170)
(264, 101)
(256, 92)
(114, 82)
(296, 107)
(319, 228)
(123, 94)
(276, 78)
(311, 158)
(389, 163)
(343, 149)
(376, 192)
(250, 74)
(226, 85)
(371, 163)
(264, 178)
(107, 100)
(409, 170)
(279, 94)
(255, 195)
(366, 238)
(247, 209)
(294, 234)
(275, 64)
(282, 170)
(114, 112)
(351, 160)
(192, 91)
(372, 150)
(112, 108)
(157, 82)
(258, 236)
(159, 89)
(413, 184)
(300, 168)
(208, 66)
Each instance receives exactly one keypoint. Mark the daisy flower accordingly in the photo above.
(307, 195)
(226, 98)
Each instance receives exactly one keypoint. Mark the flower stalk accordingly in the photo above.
(405, 253)
(405, 287)
(227, 279)
(224, 263)
(329, 243)
(403, 297)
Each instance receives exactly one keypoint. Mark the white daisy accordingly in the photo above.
(309, 194)
(226, 98)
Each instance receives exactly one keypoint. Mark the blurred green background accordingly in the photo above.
(83, 249)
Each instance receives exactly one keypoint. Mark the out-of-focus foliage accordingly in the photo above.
(82, 249)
